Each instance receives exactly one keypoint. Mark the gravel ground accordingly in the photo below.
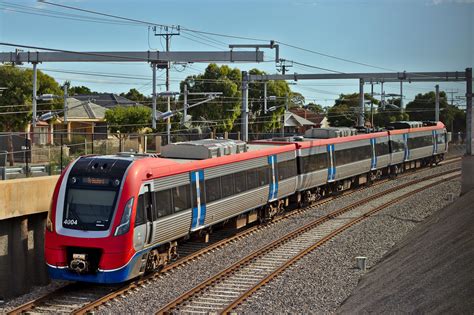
(319, 282)
(170, 286)
(35, 293)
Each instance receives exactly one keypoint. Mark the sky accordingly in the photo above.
(400, 35)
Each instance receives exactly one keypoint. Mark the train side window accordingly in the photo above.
(181, 198)
(227, 182)
(286, 169)
(262, 173)
(140, 214)
(213, 189)
(252, 180)
(381, 148)
(240, 182)
(397, 145)
(163, 203)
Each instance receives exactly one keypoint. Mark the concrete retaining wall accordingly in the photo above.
(22, 254)
(19, 197)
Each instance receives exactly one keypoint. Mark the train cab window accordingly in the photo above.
(240, 182)
(181, 198)
(381, 148)
(227, 182)
(213, 189)
(140, 217)
(252, 180)
(163, 205)
(263, 176)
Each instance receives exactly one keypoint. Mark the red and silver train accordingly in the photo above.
(115, 217)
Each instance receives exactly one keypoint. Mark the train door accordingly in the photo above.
(143, 230)
(198, 200)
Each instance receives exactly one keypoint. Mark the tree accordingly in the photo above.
(226, 108)
(16, 100)
(423, 108)
(125, 120)
(315, 108)
(261, 122)
(135, 95)
(345, 111)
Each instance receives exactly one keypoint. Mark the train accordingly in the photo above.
(116, 217)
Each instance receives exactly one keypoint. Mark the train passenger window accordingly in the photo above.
(286, 169)
(263, 176)
(397, 145)
(420, 141)
(163, 206)
(227, 182)
(140, 214)
(213, 189)
(440, 138)
(351, 155)
(381, 148)
(240, 182)
(252, 180)
(181, 198)
(315, 162)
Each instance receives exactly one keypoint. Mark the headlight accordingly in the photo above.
(124, 225)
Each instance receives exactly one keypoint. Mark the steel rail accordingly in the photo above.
(292, 261)
(260, 252)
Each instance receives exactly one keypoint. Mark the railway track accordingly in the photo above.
(77, 298)
(226, 290)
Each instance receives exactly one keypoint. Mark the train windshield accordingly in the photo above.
(89, 209)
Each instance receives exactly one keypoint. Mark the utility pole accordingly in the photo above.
(469, 114)
(372, 105)
(153, 109)
(65, 104)
(265, 97)
(282, 130)
(245, 107)
(185, 105)
(402, 109)
(167, 36)
(361, 103)
(35, 78)
(437, 103)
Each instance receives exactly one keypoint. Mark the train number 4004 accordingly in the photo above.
(70, 222)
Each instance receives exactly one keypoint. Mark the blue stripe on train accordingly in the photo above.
(373, 164)
(199, 211)
(407, 151)
(331, 166)
(273, 193)
(435, 143)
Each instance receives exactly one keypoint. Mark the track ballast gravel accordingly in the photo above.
(322, 280)
(158, 293)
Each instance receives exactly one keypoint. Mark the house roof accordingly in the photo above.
(309, 115)
(107, 100)
(293, 120)
(78, 109)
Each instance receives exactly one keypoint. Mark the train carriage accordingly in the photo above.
(115, 217)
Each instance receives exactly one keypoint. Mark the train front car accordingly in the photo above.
(88, 228)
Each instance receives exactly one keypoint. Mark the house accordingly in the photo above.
(107, 100)
(320, 120)
(83, 118)
(295, 124)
